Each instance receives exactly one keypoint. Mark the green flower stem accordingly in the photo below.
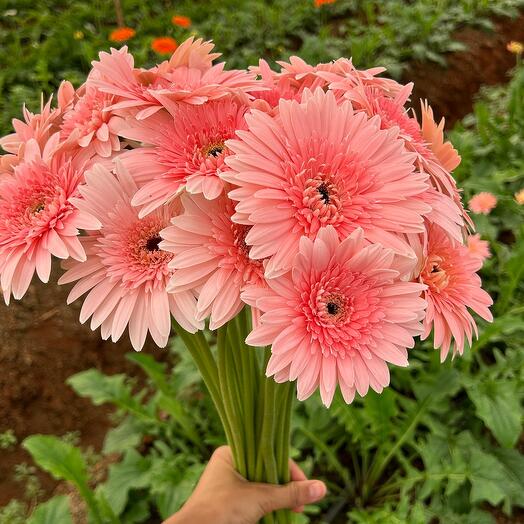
(285, 395)
(249, 386)
(266, 450)
(198, 347)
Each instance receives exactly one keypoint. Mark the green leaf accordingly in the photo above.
(488, 478)
(125, 436)
(54, 511)
(102, 389)
(169, 497)
(131, 473)
(497, 404)
(63, 461)
(156, 371)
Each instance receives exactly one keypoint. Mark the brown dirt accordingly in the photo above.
(42, 344)
(451, 90)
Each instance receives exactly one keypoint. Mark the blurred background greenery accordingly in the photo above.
(444, 443)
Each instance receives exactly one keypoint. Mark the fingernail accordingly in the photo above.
(317, 490)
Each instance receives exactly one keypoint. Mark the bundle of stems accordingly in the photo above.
(254, 410)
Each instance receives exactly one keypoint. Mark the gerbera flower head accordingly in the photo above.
(211, 257)
(181, 21)
(188, 76)
(164, 45)
(37, 218)
(478, 248)
(453, 286)
(275, 88)
(35, 126)
(482, 203)
(319, 164)
(126, 273)
(185, 148)
(121, 34)
(339, 316)
(89, 125)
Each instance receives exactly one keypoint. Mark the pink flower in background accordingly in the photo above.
(322, 164)
(186, 148)
(89, 125)
(211, 256)
(453, 286)
(126, 273)
(478, 248)
(339, 316)
(37, 219)
(275, 88)
(482, 203)
(35, 126)
(187, 77)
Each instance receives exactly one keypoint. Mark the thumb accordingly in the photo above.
(293, 495)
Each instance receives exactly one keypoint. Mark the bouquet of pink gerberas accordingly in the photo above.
(304, 215)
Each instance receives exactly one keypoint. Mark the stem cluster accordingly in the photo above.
(254, 410)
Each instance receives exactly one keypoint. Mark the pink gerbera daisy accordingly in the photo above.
(126, 273)
(210, 255)
(483, 203)
(186, 148)
(453, 286)
(35, 126)
(89, 125)
(37, 218)
(478, 248)
(181, 79)
(339, 316)
(321, 164)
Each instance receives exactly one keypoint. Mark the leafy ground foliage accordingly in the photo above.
(440, 445)
(44, 41)
(443, 443)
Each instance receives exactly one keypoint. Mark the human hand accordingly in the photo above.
(222, 496)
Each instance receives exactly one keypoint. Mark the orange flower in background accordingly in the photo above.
(164, 45)
(122, 34)
(519, 197)
(319, 3)
(181, 21)
(517, 48)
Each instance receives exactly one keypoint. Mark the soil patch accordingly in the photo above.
(451, 90)
(42, 343)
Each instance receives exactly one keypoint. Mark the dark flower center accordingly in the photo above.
(152, 243)
(214, 149)
(332, 308)
(324, 193)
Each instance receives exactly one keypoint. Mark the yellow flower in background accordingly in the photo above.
(519, 197)
(78, 35)
(517, 48)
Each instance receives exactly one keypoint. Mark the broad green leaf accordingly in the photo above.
(156, 371)
(125, 436)
(131, 473)
(54, 511)
(497, 404)
(489, 480)
(171, 497)
(63, 461)
(101, 389)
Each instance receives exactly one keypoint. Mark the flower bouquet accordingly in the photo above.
(293, 227)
